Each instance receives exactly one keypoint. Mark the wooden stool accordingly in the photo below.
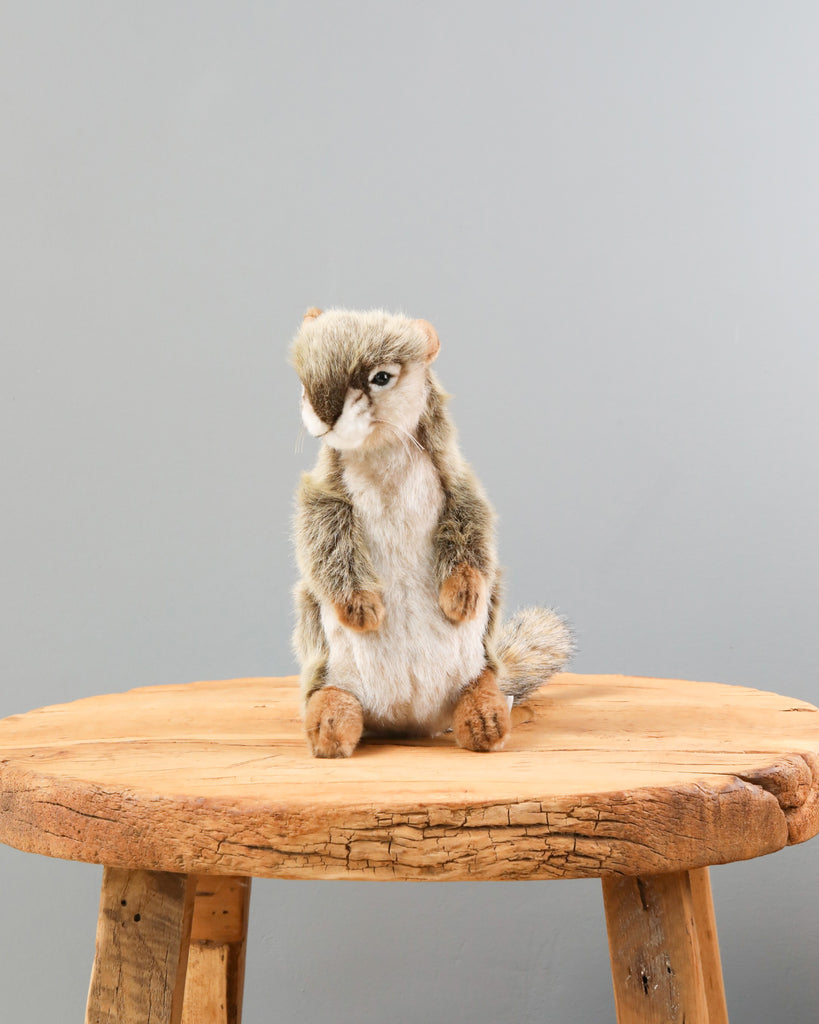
(184, 793)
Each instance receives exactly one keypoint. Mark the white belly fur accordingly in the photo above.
(407, 673)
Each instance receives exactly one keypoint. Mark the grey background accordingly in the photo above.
(610, 212)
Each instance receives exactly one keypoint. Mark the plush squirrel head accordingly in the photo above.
(364, 375)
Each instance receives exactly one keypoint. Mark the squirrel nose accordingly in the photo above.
(327, 403)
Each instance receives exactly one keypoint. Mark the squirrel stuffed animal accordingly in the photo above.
(397, 606)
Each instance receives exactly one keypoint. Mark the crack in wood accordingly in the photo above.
(304, 819)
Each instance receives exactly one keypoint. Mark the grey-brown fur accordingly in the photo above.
(533, 645)
(310, 641)
(335, 354)
(332, 554)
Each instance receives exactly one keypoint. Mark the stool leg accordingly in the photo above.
(216, 962)
(663, 946)
(143, 934)
(709, 946)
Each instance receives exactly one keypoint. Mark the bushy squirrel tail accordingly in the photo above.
(534, 644)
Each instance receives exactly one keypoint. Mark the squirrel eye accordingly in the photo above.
(381, 378)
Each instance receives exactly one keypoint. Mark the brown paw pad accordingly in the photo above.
(462, 594)
(362, 612)
(481, 720)
(334, 722)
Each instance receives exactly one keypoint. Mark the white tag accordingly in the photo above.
(510, 700)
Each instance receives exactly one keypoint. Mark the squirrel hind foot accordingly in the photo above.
(481, 719)
(334, 721)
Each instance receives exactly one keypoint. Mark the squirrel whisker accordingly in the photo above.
(400, 431)
(393, 428)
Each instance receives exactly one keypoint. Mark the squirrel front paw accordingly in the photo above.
(481, 720)
(362, 612)
(334, 722)
(462, 593)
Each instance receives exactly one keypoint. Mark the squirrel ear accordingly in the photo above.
(433, 344)
(312, 313)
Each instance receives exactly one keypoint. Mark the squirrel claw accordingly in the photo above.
(462, 593)
(363, 611)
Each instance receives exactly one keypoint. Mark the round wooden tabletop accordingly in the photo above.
(602, 775)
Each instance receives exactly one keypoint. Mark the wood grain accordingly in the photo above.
(142, 948)
(216, 962)
(703, 905)
(656, 960)
(601, 775)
